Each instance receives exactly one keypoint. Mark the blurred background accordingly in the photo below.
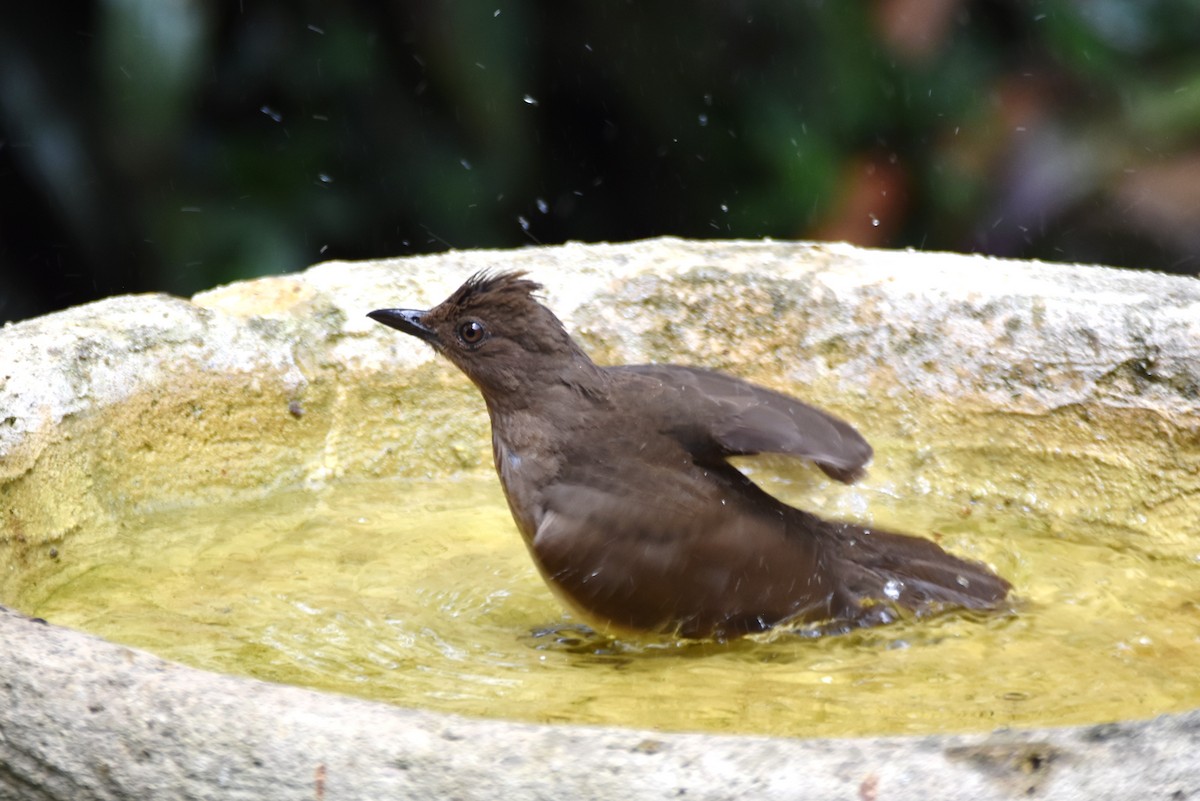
(172, 145)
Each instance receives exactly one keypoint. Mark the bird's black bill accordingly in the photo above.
(406, 320)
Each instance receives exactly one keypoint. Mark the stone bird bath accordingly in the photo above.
(298, 387)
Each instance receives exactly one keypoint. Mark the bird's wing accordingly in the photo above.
(736, 418)
(655, 549)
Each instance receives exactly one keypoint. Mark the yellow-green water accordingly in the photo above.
(422, 594)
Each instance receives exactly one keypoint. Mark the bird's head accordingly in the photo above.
(495, 331)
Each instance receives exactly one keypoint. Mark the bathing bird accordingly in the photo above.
(619, 481)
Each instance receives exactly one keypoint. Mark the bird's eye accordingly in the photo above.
(471, 332)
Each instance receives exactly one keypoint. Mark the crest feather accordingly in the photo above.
(487, 282)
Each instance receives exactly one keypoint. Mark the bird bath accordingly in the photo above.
(1057, 399)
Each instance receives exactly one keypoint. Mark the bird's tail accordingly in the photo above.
(884, 570)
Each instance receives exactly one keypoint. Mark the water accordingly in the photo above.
(422, 594)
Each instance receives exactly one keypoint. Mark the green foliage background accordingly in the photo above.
(176, 144)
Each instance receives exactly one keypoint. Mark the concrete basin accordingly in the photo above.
(131, 402)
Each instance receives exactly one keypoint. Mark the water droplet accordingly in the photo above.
(272, 113)
(874, 220)
(466, 165)
(892, 589)
(530, 100)
(324, 177)
(524, 223)
(703, 119)
(542, 206)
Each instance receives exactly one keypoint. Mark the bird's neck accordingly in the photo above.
(534, 429)
(548, 388)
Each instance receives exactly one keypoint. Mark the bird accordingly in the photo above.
(619, 481)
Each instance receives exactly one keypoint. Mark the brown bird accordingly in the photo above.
(619, 482)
